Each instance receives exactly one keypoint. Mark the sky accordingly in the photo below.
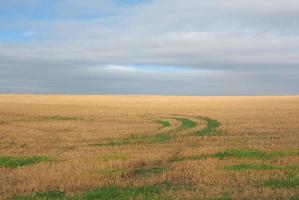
(150, 47)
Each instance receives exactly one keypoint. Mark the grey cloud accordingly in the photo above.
(181, 49)
(256, 44)
(111, 82)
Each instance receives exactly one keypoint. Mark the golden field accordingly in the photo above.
(149, 147)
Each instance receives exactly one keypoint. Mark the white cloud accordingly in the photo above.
(120, 68)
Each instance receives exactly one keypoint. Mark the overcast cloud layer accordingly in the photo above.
(170, 47)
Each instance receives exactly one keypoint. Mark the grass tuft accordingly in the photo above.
(13, 162)
(162, 138)
(211, 128)
(49, 195)
(105, 193)
(186, 123)
(243, 167)
(292, 182)
(127, 193)
(164, 123)
(235, 153)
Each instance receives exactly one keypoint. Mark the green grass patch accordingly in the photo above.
(104, 193)
(239, 154)
(139, 139)
(162, 138)
(210, 129)
(113, 193)
(291, 182)
(186, 123)
(243, 167)
(13, 162)
(49, 195)
(235, 153)
(127, 193)
(58, 118)
(149, 171)
(164, 123)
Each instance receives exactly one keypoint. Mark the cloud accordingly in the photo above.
(120, 68)
(210, 41)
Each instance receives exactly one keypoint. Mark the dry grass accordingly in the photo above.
(254, 154)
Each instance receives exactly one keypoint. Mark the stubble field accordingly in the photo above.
(148, 147)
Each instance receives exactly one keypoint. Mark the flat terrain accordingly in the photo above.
(149, 147)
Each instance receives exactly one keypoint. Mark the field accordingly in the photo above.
(149, 147)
